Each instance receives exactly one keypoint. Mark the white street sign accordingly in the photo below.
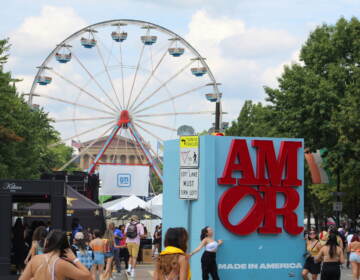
(189, 184)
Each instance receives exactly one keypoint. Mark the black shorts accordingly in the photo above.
(314, 268)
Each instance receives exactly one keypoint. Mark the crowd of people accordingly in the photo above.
(326, 253)
(91, 253)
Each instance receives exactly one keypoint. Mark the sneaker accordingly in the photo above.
(129, 269)
(132, 273)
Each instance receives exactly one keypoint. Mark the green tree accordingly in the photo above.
(25, 133)
(253, 120)
(319, 100)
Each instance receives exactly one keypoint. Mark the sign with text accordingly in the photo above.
(189, 183)
(189, 151)
(251, 195)
(124, 180)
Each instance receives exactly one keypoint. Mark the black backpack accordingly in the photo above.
(131, 231)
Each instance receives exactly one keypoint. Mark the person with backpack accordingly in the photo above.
(133, 231)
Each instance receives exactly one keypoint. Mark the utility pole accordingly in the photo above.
(217, 116)
(338, 200)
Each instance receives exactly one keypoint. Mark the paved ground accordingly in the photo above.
(145, 272)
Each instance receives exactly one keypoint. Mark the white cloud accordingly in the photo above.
(241, 58)
(255, 43)
(270, 75)
(43, 32)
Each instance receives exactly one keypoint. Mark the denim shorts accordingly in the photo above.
(109, 254)
(99, 258)
(354, 257)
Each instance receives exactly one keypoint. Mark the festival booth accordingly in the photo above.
(78, 206)
(155, 205)
(14, 191)
(128, 203)
(250, 191)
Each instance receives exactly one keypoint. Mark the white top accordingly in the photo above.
(212, 246)
(349, 237)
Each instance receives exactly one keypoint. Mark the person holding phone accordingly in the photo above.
(58, 261)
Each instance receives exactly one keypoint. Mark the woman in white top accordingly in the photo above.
(208, 259)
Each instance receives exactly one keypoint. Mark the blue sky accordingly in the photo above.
(246, 42)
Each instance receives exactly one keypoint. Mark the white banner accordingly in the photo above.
(124, 180)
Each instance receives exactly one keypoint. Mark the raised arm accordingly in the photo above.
(31, 252)
(202, 244)
(320, 256)
(342, 257)
(75, 269)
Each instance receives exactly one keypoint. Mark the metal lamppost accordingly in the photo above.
(216, 97)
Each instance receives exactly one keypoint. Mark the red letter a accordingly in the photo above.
(238, 153)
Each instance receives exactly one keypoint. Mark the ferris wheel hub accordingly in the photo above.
(124, 118)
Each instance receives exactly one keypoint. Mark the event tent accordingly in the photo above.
(127, 203)
(78, 206)
(155, 205)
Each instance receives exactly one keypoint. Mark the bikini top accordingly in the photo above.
(212, 246)
(50, 267)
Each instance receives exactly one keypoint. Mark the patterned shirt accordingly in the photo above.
(86, 258)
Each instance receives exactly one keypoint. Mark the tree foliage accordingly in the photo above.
(25, 133)
(318, 99)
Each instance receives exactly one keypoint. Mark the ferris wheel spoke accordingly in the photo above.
(108, 74)
(175, 114)
(154, 155)
(148, 132)
(122, 75)
(136, 71)
(95, 81)
(110, 54)
(164, 84)
(83, 119)
(169, 99)
(74, 103)
(115, 150)
(156, 124)
(140, 157)
(86, 149)
(83, 90)
(82, 133)
(151, 75)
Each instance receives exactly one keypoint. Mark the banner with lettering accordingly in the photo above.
(251, 194)
(124, 180)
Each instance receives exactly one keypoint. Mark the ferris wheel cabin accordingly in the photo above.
(148, 40)
(198, 71)
(63, 57)
(88, 43)
(213, 97)
(176, 52)
(43, 80)
(119, 36)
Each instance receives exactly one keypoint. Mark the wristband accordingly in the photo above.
(75, 261)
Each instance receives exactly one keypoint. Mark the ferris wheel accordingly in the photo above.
(126, 78)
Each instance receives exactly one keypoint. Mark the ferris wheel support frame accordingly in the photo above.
(124, 122)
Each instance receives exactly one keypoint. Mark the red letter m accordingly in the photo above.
(287, 162)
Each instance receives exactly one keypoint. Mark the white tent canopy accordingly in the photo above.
(155, 205)
(127, 203)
